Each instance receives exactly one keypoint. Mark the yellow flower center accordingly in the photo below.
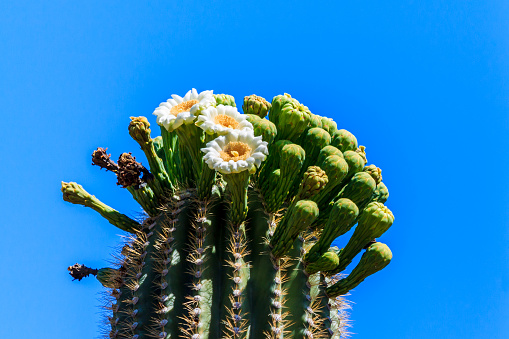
(183, 107)
(226, 121)
(236, 151)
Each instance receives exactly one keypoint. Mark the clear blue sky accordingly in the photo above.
(423, 84)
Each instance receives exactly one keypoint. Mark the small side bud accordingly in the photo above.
(78, 271)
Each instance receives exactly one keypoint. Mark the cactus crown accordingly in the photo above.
(241, 212)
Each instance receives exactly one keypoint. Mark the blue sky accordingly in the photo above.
(422, 84)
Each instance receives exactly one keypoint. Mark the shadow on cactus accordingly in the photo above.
(241, 212)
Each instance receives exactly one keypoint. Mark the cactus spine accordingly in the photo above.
(241, 212)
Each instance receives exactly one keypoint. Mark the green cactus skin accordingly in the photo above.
(245, 254)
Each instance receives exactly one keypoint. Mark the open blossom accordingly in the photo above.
(235, 152)
(222, 120)
(177, 111)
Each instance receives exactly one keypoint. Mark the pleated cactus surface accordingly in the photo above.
(241, 211)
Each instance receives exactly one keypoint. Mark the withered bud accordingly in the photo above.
(130, 172)
(79, 272)
(102, 159)
(139, 129)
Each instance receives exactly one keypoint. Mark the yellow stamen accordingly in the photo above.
(226, 121)
(183, 107)
(236, 151)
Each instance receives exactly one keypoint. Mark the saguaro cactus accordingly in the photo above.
(241, 212)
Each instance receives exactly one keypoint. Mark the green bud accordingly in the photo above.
(254, 104)
(109, 277)
(265, 128)
(381, 193)
(329, 125)
(341, 219)
(376, 257)
(315, 139)
(375, 172)
(291, 162)
(277, 105)
(360, 188)
(374, 221)
(313, 181)
(271, 163)
(336, 169)
(225, 99)
(325, 152)
(290, 117)
(355, 162)
(344, 140)
(139, 129)
(299, 217)
(326, 262)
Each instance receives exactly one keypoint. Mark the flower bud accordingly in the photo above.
(254, 104)
(344, 140)
(139, 129)
(326, 262)
(225, 99)
(313, 181)
(375, 172)
(376, 257)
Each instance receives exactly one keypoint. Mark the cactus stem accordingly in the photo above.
(338, 312)
(197, 321)
(169, 247)
(235, 324)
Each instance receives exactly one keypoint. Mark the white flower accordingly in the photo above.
(177, 111)
(222, 120)
(235, 152)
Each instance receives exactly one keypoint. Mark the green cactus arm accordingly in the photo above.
(74, 193)
(376, 257)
